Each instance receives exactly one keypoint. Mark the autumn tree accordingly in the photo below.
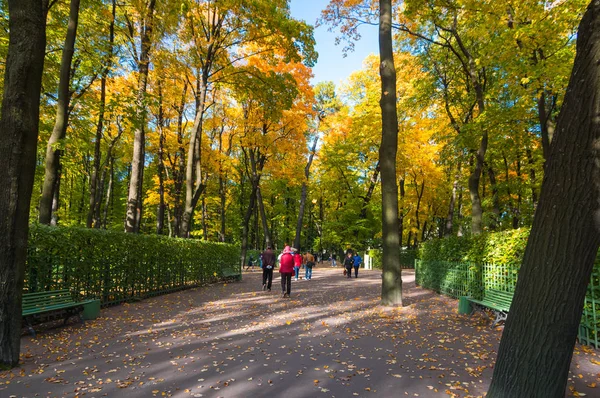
(19, 131)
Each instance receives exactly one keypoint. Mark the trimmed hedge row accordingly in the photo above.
(117, 267)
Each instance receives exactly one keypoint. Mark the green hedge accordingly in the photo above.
(117, 267)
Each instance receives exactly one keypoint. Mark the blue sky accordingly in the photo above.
(331, 64)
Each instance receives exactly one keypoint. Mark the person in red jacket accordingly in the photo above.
(286, 269)
(297, 262)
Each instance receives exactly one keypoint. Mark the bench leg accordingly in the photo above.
(30, 327)
(500, 316)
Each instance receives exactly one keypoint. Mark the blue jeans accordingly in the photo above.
(308, 274)
(296, 272)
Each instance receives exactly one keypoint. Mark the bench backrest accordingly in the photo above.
(42, 299)
(499, 298)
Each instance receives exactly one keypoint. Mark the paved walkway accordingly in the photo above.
(330, 339)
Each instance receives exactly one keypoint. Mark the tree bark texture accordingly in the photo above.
(304, 191)
(134, 196)
(539, 336)
(391, 289)
(93, 218)
(18, 142)
(53, 151)
(193, 173)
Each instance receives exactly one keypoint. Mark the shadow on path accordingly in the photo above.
(331, 338)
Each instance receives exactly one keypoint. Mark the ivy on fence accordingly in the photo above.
(117, 267)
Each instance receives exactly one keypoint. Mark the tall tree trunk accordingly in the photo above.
(538, 340)
(532, 179)
(304, 190)
(450, 218)
(19, 123)
(134, 196)
(391, 288)
(109, 191)
(193, 173)
(546, 123)
(401, 210)
(160, 213)
(370, 190)
(179, 174)
(246, 226)
(95, 194)
(53, 152)
(56, 199)
(263, 217)
(495, 198)
(222, 213)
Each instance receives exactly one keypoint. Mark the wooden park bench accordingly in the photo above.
(496, 300)
(231, 274)
(50, 305)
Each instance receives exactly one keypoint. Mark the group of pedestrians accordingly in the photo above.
(352, 260)
(290, 262)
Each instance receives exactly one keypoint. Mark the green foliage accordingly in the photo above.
(117, 267)
(506, 247)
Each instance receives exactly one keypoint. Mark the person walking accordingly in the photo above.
(268, 261)
(348, 264)
(286, 269)
(333, 264)
(309, 263)
(357, 262)
(297, 262)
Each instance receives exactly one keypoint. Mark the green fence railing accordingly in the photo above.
(469, 279)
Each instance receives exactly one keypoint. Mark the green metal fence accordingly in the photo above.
(468, 279)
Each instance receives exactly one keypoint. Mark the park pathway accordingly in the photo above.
(330, 339)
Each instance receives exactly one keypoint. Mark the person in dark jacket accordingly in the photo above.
(268, 261)
(348, 264)
(286, 269)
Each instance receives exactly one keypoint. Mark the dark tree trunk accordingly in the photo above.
(367, 198)
(18, 141)
(134, 196)
(263, 217)
(391, 288)
(93, 218)
(109, 192)
(56, 199)
(538, 340)
(194, 186)
(160, 213)
(450, 219)
(532, 179)
(401, 211)
(546, 123)
(53, 152)
(304, 191)
(495, 198)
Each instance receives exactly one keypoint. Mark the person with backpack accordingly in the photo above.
(357, 262)
(286, 269)
(268, 262)
(348, 264)
(309, 263)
